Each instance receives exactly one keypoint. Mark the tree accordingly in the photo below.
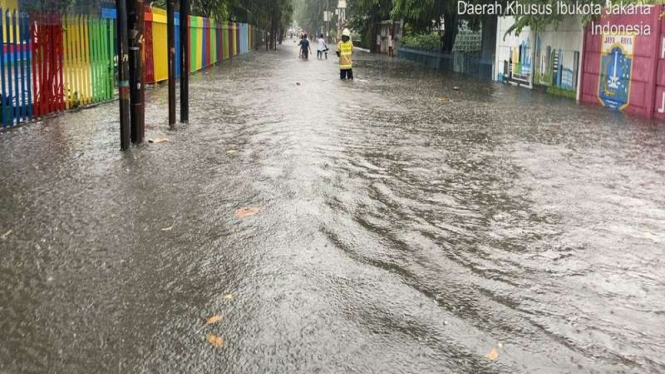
(72, 6)
(431, 15)
(258, 12)
(365, 16)
(215, 9)
(271, 15)
(310, 13)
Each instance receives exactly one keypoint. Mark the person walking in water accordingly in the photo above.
(345, 54)
(305, 49)
(391, 43)
(323, 48)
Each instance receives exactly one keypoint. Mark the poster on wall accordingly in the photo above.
(616, 70)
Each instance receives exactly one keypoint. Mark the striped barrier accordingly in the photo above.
(51, 62)
(211, 42)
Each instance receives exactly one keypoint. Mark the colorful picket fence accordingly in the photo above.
(88, 63)
(50, 63)
(211, 42)
(15, 69)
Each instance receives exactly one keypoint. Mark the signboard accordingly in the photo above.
(616, 70)
(341, 4)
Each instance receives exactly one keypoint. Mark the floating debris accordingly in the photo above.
(216, 341)
(246, 212)
(493, 355)
(214, 319)
(158, 140)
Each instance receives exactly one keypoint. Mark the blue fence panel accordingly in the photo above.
(178, 52)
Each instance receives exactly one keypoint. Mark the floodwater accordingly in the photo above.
(403, 227)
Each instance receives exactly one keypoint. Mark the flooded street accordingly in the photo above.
(402, 227)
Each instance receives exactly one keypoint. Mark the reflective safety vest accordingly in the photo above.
(345, 53)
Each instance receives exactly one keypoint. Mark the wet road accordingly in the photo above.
(404, 227)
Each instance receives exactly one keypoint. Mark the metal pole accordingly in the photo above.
(170, 14)
(137, 61)
(184, 65)
(123, 74)
(141, 70)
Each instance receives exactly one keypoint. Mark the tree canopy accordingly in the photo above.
(266, 14)
(310, 13)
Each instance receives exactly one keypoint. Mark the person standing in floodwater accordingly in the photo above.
(305, 49)
(391, 43)
(323, 48)
(345, 54)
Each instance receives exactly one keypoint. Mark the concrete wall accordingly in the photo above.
(550, 57)
(559, 55)
(622, 71)
(517, 50)
(385, 29)
(660, 80)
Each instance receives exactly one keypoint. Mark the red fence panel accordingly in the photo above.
(47, 54)
(149, 55)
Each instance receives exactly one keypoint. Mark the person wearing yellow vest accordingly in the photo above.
(345, 54)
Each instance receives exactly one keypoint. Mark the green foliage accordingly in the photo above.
(217, 9)
(75, 6)
(364, 17)
(430, 41)
(422, 15)
(258, 12)
(310, 14)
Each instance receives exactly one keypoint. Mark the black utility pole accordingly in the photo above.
(184, 64)
(123, 74)
(170, 14)
(137, 62)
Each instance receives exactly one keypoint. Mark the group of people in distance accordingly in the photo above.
(344, 52)
(305, 49)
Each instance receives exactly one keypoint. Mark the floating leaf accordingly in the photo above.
(6, 234)
(493, 355)
(158, 140)
(214, 319)
(228, 296)
(215, 340)
(231, 152)
(246, 212)
(167, 228)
